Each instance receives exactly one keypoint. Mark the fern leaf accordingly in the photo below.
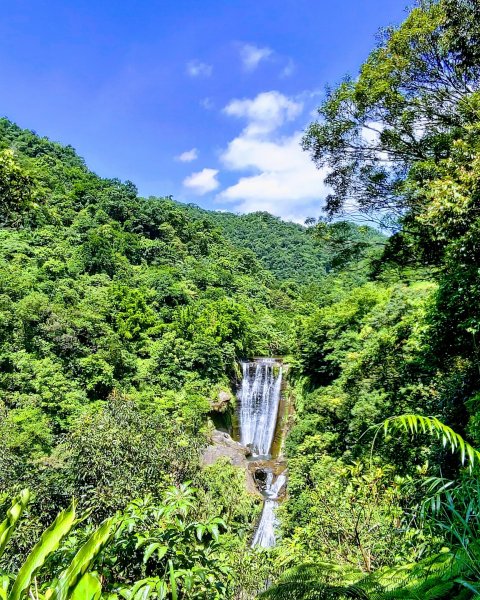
(411, 423)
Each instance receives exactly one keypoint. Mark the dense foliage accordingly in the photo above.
(281, 247)
(284, 249)
(121, 321)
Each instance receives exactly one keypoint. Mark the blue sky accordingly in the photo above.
(204, 100)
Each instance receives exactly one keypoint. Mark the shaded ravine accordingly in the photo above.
(259, 399)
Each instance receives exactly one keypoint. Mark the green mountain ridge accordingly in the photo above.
(282, 247)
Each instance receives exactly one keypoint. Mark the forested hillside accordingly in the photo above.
(281, 247)
(284, 249)
(123, 321)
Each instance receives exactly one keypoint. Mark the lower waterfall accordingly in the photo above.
(259, 400)
(265, 533)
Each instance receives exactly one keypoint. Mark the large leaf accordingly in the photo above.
(4, 584)
(47, 544)
(88, 588)
(13, 515)
(142, 589)
(83, 560)
(173, 582)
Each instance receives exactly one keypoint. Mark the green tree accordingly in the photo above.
(411, 100)
(16, 189)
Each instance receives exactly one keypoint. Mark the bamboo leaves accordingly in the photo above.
(74, 574)
(75, 582)
(88, 588)
(173, 582)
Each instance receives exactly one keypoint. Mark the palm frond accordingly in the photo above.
(414, 424)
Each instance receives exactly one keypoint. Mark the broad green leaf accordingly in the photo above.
(141, 590)
(173, 583)
(82, 561)
(214, 531)
(200, 530)
(14, 513)
(4, 584)
(48, 543)
(88, 588)
(151, 548)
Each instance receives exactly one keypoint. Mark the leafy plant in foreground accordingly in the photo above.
(180, 557)
(420, 424)
(76, 582)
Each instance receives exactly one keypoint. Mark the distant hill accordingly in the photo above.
(289, 250)
(285, 249)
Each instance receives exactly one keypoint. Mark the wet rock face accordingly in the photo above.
(260, 476)
(222, 401)
(265, 473)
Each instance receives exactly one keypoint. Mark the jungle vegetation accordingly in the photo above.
(122, 318)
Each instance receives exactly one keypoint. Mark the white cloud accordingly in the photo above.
(288, 69)
(245, 152)
(280, 178)
(207, 103)
(252, 56)
(265, 113)
(202, 182)
(188, 155)
(286, 182)
(196, 68)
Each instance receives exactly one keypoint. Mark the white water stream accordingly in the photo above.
(265, 533)
(259, 399)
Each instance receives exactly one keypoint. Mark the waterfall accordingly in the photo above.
(265, 534)
(259, 399)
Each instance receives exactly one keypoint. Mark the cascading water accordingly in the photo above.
(259, 399)
(265, 534)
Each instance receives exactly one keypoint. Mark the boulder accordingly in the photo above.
(222, 445)
(222, 401)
